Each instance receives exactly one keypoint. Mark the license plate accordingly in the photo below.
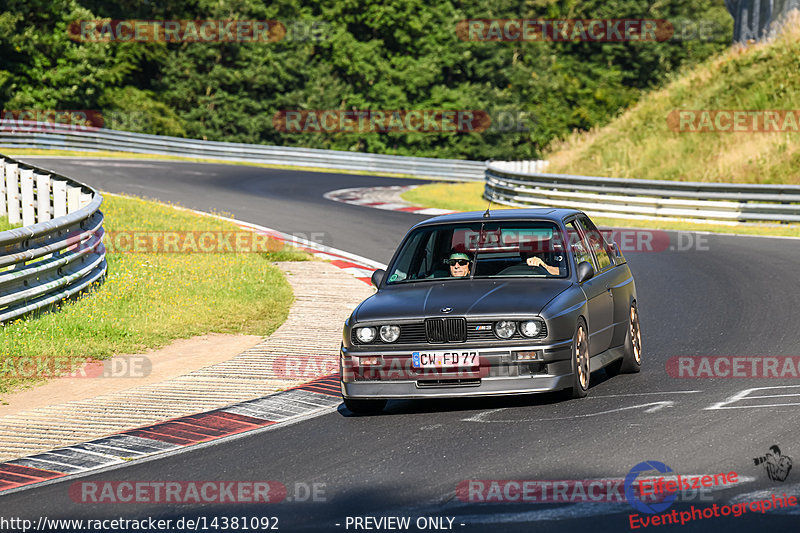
(444, 359)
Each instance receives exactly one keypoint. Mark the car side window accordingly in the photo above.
(429, 261)
(578, 246)
(411, 264)
(597, 243)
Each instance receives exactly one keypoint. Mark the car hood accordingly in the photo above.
(465, 298)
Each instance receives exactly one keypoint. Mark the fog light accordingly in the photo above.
(368, 361)
(526, 356)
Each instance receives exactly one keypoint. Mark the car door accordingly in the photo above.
(600, 302)
(617, 278)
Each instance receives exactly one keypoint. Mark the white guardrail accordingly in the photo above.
(726, 203)
(58, 251)
(54, 136)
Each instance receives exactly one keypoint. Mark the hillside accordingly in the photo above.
(707, 142)
(341, 56)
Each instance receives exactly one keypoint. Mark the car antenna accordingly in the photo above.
(480, 240)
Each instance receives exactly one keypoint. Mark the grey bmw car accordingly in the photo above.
(503, 302)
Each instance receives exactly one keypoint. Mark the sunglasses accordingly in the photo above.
(459, 262)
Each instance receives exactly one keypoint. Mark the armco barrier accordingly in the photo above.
(631, 198)
(513, 183)
(54, 136)
(58, 251)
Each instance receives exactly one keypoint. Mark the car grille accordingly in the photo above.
(440, 330)
(412, 334)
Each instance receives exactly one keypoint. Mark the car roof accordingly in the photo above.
(553, 215)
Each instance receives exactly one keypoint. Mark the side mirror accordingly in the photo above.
(585, 271)
(615, 249)
(377, 277)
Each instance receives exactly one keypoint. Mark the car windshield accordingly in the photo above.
(475, 250)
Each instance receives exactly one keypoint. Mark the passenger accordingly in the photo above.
(536, 261)
(530, 260)
(459, 263)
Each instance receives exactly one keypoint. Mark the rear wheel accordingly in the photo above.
(631, 362)
(580, 363)
(364, 407)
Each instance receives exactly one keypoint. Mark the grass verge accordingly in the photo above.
(468, 197)
(149, 300)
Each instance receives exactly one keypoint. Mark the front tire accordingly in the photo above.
(581, 373)
(364, 407)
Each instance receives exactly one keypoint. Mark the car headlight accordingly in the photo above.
(530, 328)
(365, 335)
(505, 329)
(390, 333)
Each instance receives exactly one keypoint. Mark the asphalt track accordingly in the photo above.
(722, 295)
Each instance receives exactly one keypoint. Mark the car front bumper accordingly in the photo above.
(499, 373)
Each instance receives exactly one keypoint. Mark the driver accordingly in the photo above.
(460, 263)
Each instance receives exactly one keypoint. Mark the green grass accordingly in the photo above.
(640, 144)
(148, 300)
(467, 197)
(5, 225)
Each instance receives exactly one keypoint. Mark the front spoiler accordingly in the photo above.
(556, 356)
(490, 386)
